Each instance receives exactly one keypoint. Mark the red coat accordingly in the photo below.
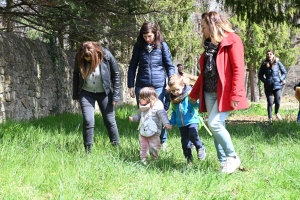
(231, 69)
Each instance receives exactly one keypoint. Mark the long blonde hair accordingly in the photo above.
(93, 51)
(218, 26)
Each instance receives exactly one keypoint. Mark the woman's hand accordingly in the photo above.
(234, 103)
(132, 94)
(114, 103)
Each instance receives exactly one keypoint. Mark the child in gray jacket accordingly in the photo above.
(152, 117)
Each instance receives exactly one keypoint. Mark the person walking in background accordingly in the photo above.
(220, 85)
(152, 58)
(297, 95)
(180, 68)
(152, 117)
(181, 73)
(272, 73)
(185, 117)
(96, 78)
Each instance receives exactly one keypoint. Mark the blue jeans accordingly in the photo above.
(161, 95)
(216, 123)
(87, 103)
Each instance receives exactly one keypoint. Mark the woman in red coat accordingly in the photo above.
(220, 85)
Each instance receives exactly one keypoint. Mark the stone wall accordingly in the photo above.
(36, 79)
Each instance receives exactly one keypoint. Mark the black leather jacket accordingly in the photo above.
(272, 77)
(110, 74)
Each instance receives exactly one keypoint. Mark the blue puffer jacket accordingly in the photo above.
(152, 67)
(272, 77)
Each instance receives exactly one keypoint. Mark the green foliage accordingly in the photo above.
(258, 38)
(115, 23)
(277, 11)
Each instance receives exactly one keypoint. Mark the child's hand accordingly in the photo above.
(193, 100)
(131, 119)
(168, 126)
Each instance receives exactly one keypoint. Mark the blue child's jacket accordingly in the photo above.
(184, 112)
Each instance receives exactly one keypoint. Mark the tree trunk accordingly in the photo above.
(7, 18)
(253, 84)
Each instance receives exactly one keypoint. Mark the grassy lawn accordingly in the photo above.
(45, 159)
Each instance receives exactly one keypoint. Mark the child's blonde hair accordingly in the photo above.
(148, 94)
(175, 79)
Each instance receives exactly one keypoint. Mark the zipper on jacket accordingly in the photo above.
(180, 112)
(150, 66)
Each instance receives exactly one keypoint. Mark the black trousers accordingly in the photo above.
(87, 102)
(189, 134)
(277, 97)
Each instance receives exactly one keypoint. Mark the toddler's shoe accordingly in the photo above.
(192, 146)
(201, 153)
(144, 161)
(164, 147)
(189, 160)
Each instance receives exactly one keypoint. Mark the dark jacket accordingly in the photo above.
(272, 77)
(110, 74)
(152, 67)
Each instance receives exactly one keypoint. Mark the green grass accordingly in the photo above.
(45, 159)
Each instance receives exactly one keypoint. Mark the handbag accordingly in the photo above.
(297, 93)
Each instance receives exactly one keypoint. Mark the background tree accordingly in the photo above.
(258, 38)
(287, 11)
(113, 22)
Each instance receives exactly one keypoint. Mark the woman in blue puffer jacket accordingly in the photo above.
(272, 73)
(152, 60)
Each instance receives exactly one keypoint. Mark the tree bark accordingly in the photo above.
(253, 80)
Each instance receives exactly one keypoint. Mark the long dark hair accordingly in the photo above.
(269, 63)
(92, 50)
(148, 27)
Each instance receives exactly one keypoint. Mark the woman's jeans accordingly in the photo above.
(87, 102)
(277, 96)
(161, 95)
(216, 123)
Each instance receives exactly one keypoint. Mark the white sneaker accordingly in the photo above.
(278, 116)
(164, 147)
(144, 161)
(223, 168)
(232, 163)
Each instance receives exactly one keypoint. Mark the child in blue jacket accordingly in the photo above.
(185, 116)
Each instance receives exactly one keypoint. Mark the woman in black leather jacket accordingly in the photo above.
(96, 77)
(272, 73)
